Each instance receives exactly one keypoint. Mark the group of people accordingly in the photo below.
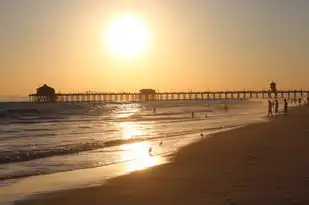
(273, 106)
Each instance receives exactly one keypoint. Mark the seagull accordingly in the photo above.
(149, 150)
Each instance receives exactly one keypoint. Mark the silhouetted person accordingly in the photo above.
(206, 116)
(285, 107)
(192, 114)
(299, 101)
(270, 108)
(201, 134)
(154, 110)
(277, 107)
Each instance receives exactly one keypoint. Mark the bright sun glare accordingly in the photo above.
(127, 36)
(137, 157)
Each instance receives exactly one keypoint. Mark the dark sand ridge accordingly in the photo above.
(266, 163)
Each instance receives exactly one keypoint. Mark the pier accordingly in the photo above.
(136, 96)
(48, 94)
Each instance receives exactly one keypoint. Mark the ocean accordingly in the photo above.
(40, 139)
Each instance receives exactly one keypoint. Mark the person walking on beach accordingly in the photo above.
(285, 107)
(270, 108)
(299, 101)
(154, 110)
(192, 114)
(277, 107)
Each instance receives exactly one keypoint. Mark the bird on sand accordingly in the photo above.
(149, 150)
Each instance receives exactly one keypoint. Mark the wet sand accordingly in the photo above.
(266, 163)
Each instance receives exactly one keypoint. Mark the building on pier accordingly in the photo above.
(45, 94)
(147, 94)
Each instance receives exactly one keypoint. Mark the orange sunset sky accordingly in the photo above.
(168, 45)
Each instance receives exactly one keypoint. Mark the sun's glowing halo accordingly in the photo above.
(127, 36)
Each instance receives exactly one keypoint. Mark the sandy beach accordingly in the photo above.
(266, 163)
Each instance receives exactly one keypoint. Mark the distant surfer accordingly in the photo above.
(202, 135)
(206, 115)
(192, 114)
(154, 110)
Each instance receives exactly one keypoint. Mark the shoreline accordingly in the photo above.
(257, 164)
(13, 190)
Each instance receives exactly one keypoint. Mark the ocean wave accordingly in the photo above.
(46, 120)
(19, 156)
(19, 175)
(41, 112)
(158, 114)
(45, 134)
(27, 155)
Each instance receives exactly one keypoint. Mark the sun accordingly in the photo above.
(127, 36)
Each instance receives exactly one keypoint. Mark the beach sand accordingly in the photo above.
(266, 163)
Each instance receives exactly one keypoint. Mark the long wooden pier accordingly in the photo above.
(137, 96)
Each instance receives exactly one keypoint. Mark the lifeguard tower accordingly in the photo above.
(273, 89)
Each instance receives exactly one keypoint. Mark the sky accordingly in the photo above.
(195, 45)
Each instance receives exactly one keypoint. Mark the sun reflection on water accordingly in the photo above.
(138, 157)
(130, 130)
(128, 110)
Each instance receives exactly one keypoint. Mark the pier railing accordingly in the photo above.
(207, 95)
